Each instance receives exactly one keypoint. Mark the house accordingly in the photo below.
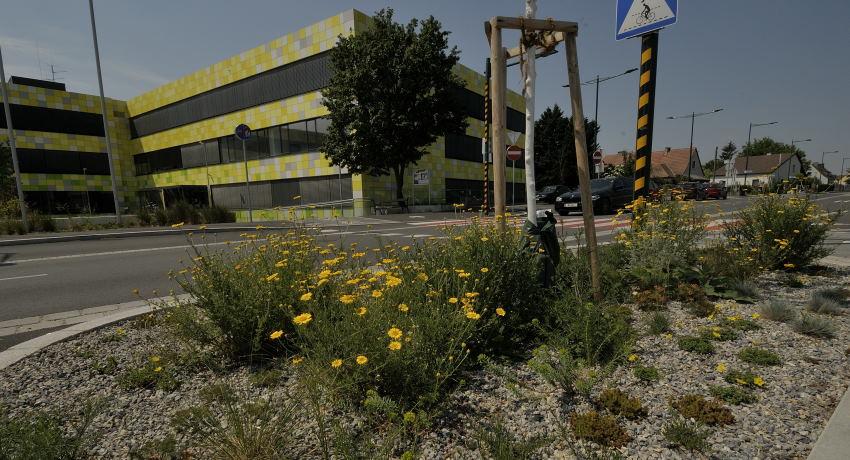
(668, 165)
(819, 173)
(760, 169)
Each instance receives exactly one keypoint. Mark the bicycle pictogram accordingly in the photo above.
(646, 16)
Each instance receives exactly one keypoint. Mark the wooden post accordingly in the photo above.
(581, 159)
(497, 94)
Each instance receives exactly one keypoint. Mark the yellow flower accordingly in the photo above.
(178, 225)
(307, 296)
(789, 265)
(409, 417)
(394, 345)
(633, 357)
(297, 360)
(715, 334)
(392, 281)
(472, 315)
(347, 299)
(471, 295)
(755, 316)
(484, 238)
(376, 294)
(403, 307)
(758, 381)
(394, 333)
(276, 335)
(452, 299)
(336, 363)
(202, 227)
(740, 381)
(362, 311)
(720, 367)
(484, 269)
(422, 277)
(463, 275)
(500, 311)
(120, 331)
(158, 369)
(361, 360)
(668, 336)
(387, 261)
(302, 319)
(273, 277)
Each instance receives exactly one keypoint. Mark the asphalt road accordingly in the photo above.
(40, 279)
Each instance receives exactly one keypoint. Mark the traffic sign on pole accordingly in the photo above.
(637, 17)
(243, 132)
(597, 157)
(514, 152)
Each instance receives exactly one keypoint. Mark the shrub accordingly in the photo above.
(40, 223)
(744, 378)
(836, 294)
(498, 443)
(733, 395)
(741, 324)
(619, 403)
(689, 292)
(601, 429)
(815, 326)
(658, 323)
(778, 310)
(646, 373)
(824, 304)
(703, 410)
(760, 356)
(700, 308)
(784, 232)
(572, 276)
(696, 345)
(596, 334)
(745, 288)
(216, 214)
(722, 263)
(37, 435)
(720, 334)
(686, 434)
(557, 367)
(651, 299)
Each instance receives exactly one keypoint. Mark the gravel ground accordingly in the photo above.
(797, 399)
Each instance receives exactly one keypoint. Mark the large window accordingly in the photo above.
(40, 161)
(48, 120)
(54, 202)
(285, 192)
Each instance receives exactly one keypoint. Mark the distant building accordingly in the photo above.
(668, 165)
(761, 169)
(822, 175)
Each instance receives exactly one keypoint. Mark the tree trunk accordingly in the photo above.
(399, 182)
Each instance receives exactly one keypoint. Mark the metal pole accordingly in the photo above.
(513, 182)
(10, 129)
(413, 187)
(691, 147)
(207, 172)
(714, 166)
(247, 184)
(646, 113)
(596, 108)
(86, 185)
(747, 158)
(103, 111)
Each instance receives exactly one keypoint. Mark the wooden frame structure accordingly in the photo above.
(558, 31)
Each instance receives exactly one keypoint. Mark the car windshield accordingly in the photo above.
(597, 185)
(548, 189)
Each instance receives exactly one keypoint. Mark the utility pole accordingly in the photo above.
(497, 91)
(749, 136)
(10, 129)
(692, 116)
(714, 166)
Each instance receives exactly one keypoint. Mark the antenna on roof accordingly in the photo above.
(53, 73)
(667, 149)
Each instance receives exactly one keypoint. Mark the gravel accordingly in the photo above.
(796, 401)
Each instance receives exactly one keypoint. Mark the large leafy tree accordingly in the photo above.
(767, 145)
(7, 173)
(728, 151)
(391, 96)
(555, 148)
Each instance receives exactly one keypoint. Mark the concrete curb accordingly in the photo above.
(130, 234)
(126, 310)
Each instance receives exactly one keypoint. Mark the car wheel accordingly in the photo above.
(605, 207)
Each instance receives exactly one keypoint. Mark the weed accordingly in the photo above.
(745, 288)
(733, 395)
(153, 374)
(824, 304)
(696, 345)
(759, 356)
(646, 373)
(703, 410)
(701, 308)
(815, 326)
(837, 294)
(498, 443)
(266, 377)
(741, 324)
(619, 403)
(778, 310)
(601, 429)
(651, 299)
(37, 435)
(688, 435)
(596, 334)
(720, 334)
(744, 378)
(557, 367)
(105, 367)
(658, 323)
(792, 280)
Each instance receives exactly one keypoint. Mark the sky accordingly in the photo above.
(759, 60)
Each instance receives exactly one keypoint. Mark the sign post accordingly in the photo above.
(514, 154)
(643, 18)
(597, 163)
(243, 132)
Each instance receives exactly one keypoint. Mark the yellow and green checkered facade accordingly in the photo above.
(298, 45)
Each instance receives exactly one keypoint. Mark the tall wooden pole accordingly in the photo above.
(580, 135)
(497, 94)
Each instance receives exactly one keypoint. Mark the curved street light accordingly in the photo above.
(692, 116)
(596, 81)
(749, 136)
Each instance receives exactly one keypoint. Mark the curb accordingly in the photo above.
(127, 310)
(834, 440)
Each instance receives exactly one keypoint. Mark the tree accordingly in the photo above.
(391, 96)
(712, 166)
(728, 151)
(7, 173)
(767, 145)
(555, 148)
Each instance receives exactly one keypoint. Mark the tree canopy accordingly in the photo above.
(392, 95)
(555, 148)
(728, 151)
(766, 145)
(712, 165)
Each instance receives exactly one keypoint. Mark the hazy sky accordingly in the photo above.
(759, 60)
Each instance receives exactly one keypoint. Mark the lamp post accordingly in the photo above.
(749, 136)
(10, 129)
(207, 172)
(692, 116)
(793, 152)
(596, 81)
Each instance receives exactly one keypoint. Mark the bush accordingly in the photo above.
(723, 264)
(760, 356)
(558, 367)
(778, 310)
(815, 326)
(703, 410)
(498, 443)
(701, 308)
(741, 324)
(696, 345)
(601, 429)
(685, 434)
(824, 304)
(745, 288)
(646, 373)
(733, 395)
(658, 323)
(596, 334)
(572, 276)
(651, 299)
(619, 403)
(781, 233)
(720, 334)
(744, 378)
(37, 435)
(216, 215)
(40, 223)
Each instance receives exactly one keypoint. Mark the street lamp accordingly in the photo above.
(597, 81)
(797, 141)
(86, 185)
(749, 136)
(207, 172)
(692, 116)
(793, 152)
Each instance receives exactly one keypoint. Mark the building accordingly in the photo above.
(668, 165)
(176, 142)
(820, 174)
(759, 170)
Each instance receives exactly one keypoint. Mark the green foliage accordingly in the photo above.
(720, 334)
(721, 266)
(646, 373)
(765, 145)
(745, 288)
(595, 334)
(186, 213)
(620, 403)
(557, 367)
(744, 378)
(688, 435)
(165, 448)
(728, 151)
(651, 299)
(572, 276)
(554, 147)
(266, 377)
(824, 304)
(781, 233)
(153, 374)
(379, 124)
(106, 367)
(815, 325)
(698, 345)
(741, 324)
(760, 356)
(778, 310)
(792, 280)
(658, 323)
(45, 435)
(703, 410)
(839, 295)
(733, 395)
(601, 429)
(496, 441)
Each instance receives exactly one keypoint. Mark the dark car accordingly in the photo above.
(716, 191)
(607, 194)
(548, 193)
(690, 191)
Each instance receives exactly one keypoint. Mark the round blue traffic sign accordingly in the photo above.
(243, 132)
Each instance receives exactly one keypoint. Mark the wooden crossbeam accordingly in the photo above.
(550, 42)
(503, 22)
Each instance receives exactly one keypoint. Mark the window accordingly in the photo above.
(463, 147)
(48, 120)
(267, 194)
(39, 161)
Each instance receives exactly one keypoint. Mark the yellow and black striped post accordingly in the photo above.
(485, 154)
(646, 113)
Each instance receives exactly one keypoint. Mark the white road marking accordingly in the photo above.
(329, 231)
(112, 253)
(390, 234)
(23, 277)
(420, 235)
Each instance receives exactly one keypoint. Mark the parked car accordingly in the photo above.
(690, 191)
(548, 193)
(716, 191)
(607, 194)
